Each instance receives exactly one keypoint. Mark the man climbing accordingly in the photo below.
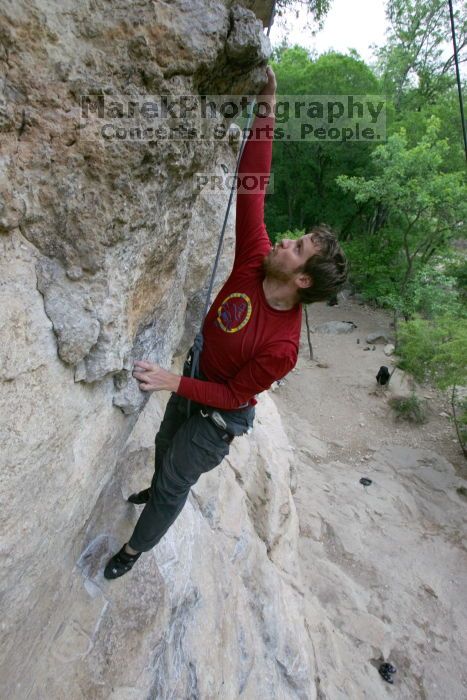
(251, 338)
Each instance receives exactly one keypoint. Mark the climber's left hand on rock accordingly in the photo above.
(151, 377)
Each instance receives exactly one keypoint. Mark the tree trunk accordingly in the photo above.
(308, 333)
(456, 423)
(300, 223)
(290, 203)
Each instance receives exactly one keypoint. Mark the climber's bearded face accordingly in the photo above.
(287, 259)
(273, 269)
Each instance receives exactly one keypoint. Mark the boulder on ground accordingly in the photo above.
(335, 327)
(344, 294)
(378, 337)
(401, 383)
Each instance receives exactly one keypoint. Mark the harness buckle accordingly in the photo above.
(217, 420)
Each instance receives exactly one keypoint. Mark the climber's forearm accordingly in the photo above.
(266, 105)
(173, 382)
(256, 161)
(151, 377)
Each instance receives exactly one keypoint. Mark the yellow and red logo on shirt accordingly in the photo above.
(234, 312)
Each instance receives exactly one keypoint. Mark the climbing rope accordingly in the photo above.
(197, 346)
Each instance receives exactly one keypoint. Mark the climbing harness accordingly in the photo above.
(192, 361)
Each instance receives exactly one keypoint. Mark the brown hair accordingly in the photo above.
(328, 269)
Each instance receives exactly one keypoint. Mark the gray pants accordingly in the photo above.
(185, 449)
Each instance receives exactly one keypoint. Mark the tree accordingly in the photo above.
(305, 192)
(435, 350)
(446, 108)
(426, 208)
(416, 62)
(316, 9)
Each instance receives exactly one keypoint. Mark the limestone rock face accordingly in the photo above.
(215, 610)
(105, 253)
(112, 218)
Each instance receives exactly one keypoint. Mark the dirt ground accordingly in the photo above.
(384, 564)
(348, 407)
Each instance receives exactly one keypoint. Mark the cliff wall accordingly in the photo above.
(106, 248)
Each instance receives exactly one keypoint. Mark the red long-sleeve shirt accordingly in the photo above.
(247, 344)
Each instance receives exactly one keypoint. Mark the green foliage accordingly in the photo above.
(434, 350)
(424, 208)
(317, 9)
(374, 269)
(410, 409)
(292, 66)
(413, 63)
(305, 189)
(432, 293)
(462, 422)
(292, 235)
(456, 268)
(414, 121)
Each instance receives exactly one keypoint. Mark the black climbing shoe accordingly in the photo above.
(120, 564)
(141, 497)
